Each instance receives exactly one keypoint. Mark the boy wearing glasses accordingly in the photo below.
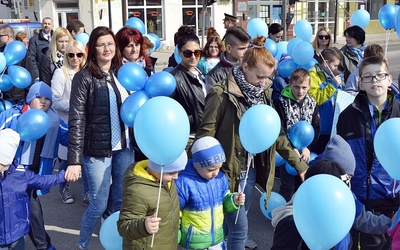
(357, 124)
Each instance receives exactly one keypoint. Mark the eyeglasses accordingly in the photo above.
(378, 77)
(104, 45)
(72, 55)
(326, 37)
(213, 47)
(188, 53)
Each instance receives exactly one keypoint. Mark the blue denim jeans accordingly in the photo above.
(99, 172)
(237, 233)
(16, 245)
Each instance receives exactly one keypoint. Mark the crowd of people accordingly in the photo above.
(206, 192)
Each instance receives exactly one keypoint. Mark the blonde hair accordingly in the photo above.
(57, 34)
(20, 36)
(66, 64)
(315, 42)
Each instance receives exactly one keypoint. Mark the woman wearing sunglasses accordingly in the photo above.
(54, 57)
(74, 59)
(190, 89)
(322, 41)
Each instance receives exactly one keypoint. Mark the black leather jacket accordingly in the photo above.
(89, 118)
(189, 94)
(219, 72)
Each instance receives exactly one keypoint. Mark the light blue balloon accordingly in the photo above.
(259, 128)
(32, 125)
(312, 156)
(286, 67)
(360, 18)
(157, 40)
(282, 49)
(3, 62)
(109, 236)
(6, 105)
(153, 41)
(301, 134)
(160, 84)
(83, 38)
(132, 76)
(136, 23)
(303, 30)
(20, 77)
(387, 16)
(271, 46)
(5, 83)
(131, 105)
(257, 27)
(14, 52)
(309, 65)
(279, 161)
(162, 129)
(397, 21)
(291, 44)
(323, 211)
(276, 200)
(177, 57)
(303, 53)
(387, 146)
(291, 170)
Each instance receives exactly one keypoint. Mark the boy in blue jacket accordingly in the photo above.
(204, 197)
(38, 156)
(14, 199)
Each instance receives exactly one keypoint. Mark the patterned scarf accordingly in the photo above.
(359, 52)
(59, 60)
(252, 94)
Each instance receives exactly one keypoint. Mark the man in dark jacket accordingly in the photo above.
(236, 44)
(14, 95)
(39, 44)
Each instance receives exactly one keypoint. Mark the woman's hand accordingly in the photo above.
(73, 173)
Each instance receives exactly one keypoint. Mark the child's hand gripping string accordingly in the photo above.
(152, 224)
(239, 199)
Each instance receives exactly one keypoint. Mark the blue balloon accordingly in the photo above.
(323, 211)
(279, 161)
(20, 77)
(5, 105)
(177, 57)
(309, 65)
(131, 106)
(387, 148)
(3, 62)
(259, 128)
(5, 83)
(291, 44)
(387, 16)
(257, 27)
(313, 156)
(271, 46)
(276, 200)
(160, 84)
(109, 236)
(291, 170)
(136, 23)
(167, 69)
(153, 41)
(282, 49)
(32, 125)
(14, 52)
(83, 38)
(286, 67)
(301, 134)
(303, 53)
(397, 21)
(360, 18)
(303, 30)
(132, 76)
(156, 39)
(162, 129)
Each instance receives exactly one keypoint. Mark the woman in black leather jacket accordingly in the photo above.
(99, 141)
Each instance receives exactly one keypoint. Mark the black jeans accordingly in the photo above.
(37, 233)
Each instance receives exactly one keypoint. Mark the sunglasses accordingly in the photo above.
(72, 55)
(188, 53)
(322, 37)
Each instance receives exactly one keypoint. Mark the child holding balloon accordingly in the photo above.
(357, 124)
(294, 105)
(204, 197)
(142, 214)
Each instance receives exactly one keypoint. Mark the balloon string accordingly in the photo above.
(387, 41)
(330, 71)
(249, 162)
(158, 201)
(259, 190)
(4, 71)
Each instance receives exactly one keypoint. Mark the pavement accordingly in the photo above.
(166, 51)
